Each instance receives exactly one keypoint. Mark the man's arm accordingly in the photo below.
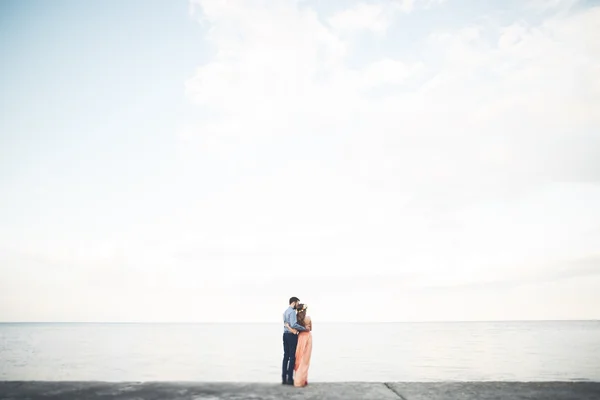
(289, 328)
(294, 323)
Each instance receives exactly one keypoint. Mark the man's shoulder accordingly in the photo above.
(289, 311)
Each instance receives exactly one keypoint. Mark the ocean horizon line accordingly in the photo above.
(277, 322)
(325, 382)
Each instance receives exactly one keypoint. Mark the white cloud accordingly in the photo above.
(374, 17)
(388, 72)
(476, 114)
(407, 6)
(547, 5)
(362, 17)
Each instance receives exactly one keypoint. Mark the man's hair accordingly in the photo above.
(293, 299)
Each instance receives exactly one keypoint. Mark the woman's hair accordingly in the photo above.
(301, 314)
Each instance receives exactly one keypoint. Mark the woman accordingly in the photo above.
(304, 348)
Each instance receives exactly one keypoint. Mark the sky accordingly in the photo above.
(391, 160)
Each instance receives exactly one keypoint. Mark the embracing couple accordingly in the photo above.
(297, 344)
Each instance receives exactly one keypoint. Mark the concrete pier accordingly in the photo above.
(321, 391)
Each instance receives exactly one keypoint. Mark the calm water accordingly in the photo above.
(537, 351)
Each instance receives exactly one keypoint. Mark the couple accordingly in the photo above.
(297, 344)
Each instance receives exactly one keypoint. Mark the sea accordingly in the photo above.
(367, 352)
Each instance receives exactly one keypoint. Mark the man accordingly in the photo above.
(290, 341)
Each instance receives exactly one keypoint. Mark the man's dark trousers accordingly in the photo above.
(290, 342)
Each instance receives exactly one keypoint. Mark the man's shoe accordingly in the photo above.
(290, 383)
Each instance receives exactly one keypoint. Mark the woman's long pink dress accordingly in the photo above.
(303, 353)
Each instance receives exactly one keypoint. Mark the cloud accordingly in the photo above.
(472, 115)
(550, 5)
(362, 17)
(388, 72)
(468, 106)
(374, 17)
(407, 6)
